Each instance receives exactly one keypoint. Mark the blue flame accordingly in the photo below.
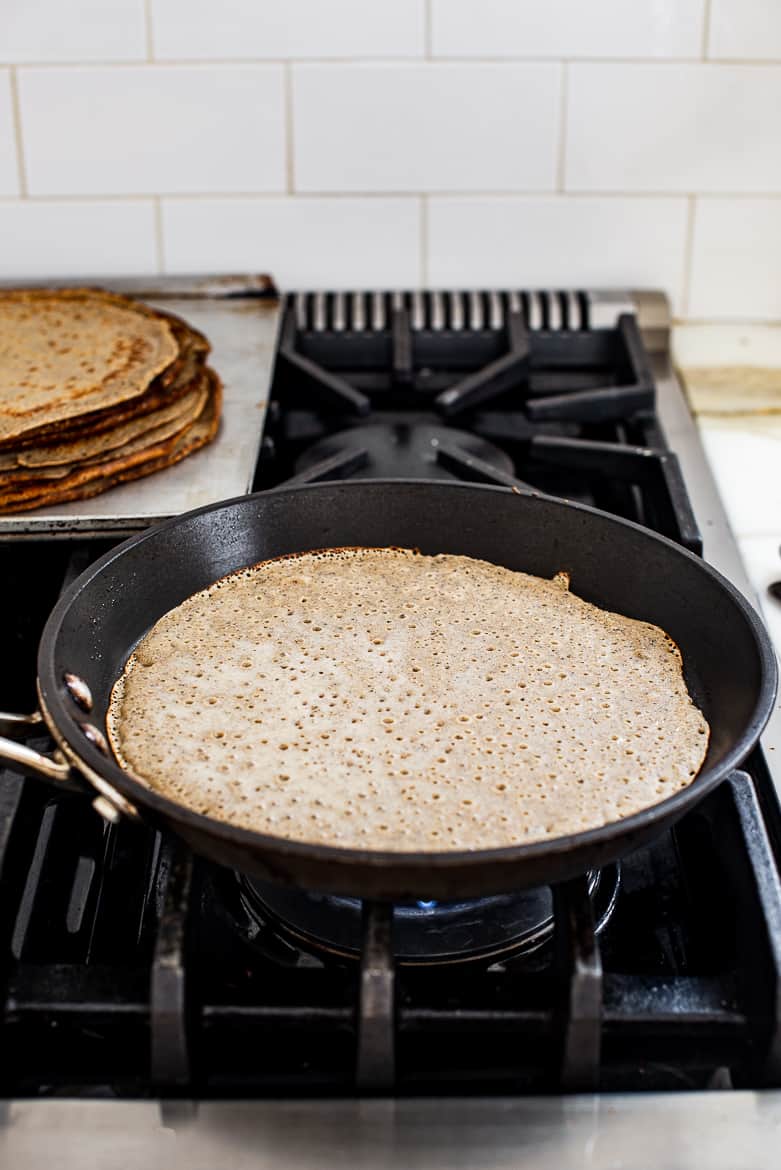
(427, 905)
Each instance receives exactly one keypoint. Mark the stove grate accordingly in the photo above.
(502, 345)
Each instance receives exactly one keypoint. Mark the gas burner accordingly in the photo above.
(505, 926)
(404, 450)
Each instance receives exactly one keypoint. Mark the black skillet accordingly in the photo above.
(729, 662)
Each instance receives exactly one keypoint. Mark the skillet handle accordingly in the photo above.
(25, 759)
(108, 803)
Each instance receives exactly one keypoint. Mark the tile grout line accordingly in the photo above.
(392, 60)
(159, 248)
(688, 251)
(16, 111)
(424, 208)
(574, 196)
(561, 158)
(290, 170)
(731, 320)
(706, 17)
(736, 322)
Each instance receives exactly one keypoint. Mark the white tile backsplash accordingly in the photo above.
(745, 28)
(567, 28)
(688, 128)
(396, 142)
(9, 171)
(201, 29)
(78, 239)
(425, 127)
(153, 129)
(72, 30)
(697, 344)
(736, 259)
(323, 242)
(506, 240)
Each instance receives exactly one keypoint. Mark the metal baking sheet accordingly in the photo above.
(240, 319)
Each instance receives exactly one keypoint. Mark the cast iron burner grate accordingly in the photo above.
(127, 972)
(490, 343)
(398, 448)
(482, 930)
(509, 388)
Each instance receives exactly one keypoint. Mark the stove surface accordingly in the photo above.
(132, 969)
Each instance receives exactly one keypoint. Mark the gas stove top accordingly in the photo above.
(509, 388)
(132, 969)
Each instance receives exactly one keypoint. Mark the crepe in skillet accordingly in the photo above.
(382, 699)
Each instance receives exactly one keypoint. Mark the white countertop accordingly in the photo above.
(743, 446)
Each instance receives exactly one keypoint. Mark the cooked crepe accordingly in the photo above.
(65, 352)
(128, 438)
(89, 480)
(171, 384)
(382, 699)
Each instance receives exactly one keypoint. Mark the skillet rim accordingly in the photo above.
(667, 810)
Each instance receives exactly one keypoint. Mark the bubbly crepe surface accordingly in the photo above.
(65, 352)
(382, 699)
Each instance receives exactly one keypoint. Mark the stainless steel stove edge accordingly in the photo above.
(680, 1131)
(218, 286)
(720, 548)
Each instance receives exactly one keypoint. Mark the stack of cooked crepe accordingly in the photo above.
(95, 389)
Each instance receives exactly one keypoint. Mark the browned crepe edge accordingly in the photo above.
(41, 474)
(74, 449)
(104, 476)
(173, 383)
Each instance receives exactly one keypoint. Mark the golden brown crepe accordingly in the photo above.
(90, 480)
(95, 389)
(138, 434)
(382, 699)
(170, 384)
(63, 353)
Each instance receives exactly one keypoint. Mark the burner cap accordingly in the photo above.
(403, 450)
(425, 933)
